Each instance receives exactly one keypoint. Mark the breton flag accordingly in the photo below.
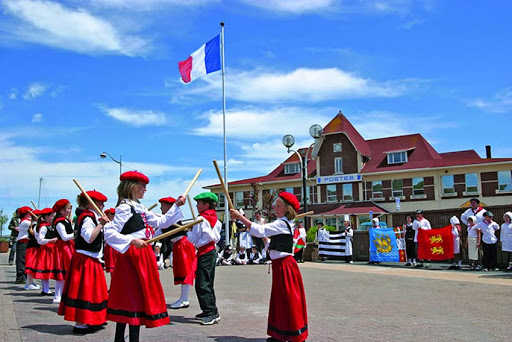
(334, 248)
(435, 244)
(203, 61)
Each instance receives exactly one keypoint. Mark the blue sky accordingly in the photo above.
(83, 77)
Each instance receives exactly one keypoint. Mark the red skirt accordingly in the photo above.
(65, 251)
(30, 260)
(48, 263)
(110, 258)
(136, 294)
(184, 261)
(287, 317)
(84, 298)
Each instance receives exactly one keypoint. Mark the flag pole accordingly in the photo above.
(226, 209)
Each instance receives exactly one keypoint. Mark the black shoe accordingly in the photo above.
(419, 266)
(452, 267)
(48, 294)
(271, 339)
(20, 281)
(200, 316)
(408, 264)
(84, 331)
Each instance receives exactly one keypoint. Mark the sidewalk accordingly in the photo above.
(346, 302)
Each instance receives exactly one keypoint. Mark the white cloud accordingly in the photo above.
(293, 6)
(302, 84)
(35, 90)
(136, 5)
(500, 103)
(50, 23)
(13, 95)
(135, 117)
(250, 123)
(37, 118)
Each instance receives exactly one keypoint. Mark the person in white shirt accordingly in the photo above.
(322, 235)
(474, 236)
(420, 223)
(255, 256)
(457, 257)
(158, 255)
(488, 228)
(506, 237)
(475, 210)
(241, 256)
(348, 233)
(226, 257)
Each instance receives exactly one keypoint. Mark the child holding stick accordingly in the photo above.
(84, 298)
(65, 246)
(204, 236)
(136, 295)
(21, 247)
(287, 318)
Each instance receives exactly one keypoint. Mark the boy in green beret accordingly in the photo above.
(204, 236)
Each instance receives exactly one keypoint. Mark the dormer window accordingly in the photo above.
(290, 169)
(399, 157)
(336, 147)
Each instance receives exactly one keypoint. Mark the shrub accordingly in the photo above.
(310, 237)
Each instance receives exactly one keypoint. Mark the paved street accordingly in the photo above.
(345, 303)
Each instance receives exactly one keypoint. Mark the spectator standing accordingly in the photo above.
(420, 223)
(488, 228)
(257, 241)
(410, 246)
(457, 258)
(506, 238)
(322, 235)
(159, 255)
(474, 236)
(475, 210)
(348, 233)
(13, 227)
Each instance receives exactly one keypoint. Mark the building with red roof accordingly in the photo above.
(351, 177)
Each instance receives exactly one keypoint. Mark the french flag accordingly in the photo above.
(203, 61)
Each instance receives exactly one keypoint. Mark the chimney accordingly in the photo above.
(488, 151)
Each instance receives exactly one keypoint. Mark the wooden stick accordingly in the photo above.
(154, 205)
(174, 231)
(231, 206)
(95, 207)
(33, 215)
(191, 207)
(192, 183)
(304, 214)
(33, 204)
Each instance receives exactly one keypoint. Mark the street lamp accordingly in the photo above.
(104, 155)
(315, 131)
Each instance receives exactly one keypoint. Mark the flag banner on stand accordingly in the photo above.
(400, 243)
(202, 61)
(334, 248)
(383, 246)
(435, 244)
(298, 242)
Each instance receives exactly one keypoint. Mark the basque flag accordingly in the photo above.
(203, 61)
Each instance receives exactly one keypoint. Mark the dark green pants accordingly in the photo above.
(205, 276)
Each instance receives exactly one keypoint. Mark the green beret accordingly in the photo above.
(207, 196)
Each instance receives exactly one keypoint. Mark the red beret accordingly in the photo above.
(291, 200)
(23, 210)
(36, 212)
(60, 204)
(45, 211)
(134, 176)
(95, 196)
(111, 211)
(168, 200)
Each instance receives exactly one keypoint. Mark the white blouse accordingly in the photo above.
(270, 229)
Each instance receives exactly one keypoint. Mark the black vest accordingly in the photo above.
(409, 232)
(175, 235)
(65, 222)
(134, 224)
(282, 242)
(32, 241)
(80, 243)
(50, 232)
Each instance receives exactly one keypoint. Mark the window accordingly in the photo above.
(504, 181)
(448, 185)
(239, 199)
(338, 165)
(377, 189)
(290, 190)
(397, 157)
(222, 201)
(397, 186)
(290, 169)
(330, 221)
(331, 193)
(418, 186)
(347, 192)
(336, 147)
(472, 183)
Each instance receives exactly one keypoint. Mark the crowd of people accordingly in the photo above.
(77, 251)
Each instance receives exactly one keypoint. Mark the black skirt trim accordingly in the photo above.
(179, 279)
(289, 332)
(46, 271)
(83, 305)
(139, 314)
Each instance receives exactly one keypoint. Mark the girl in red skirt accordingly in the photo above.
(287, 318)
(136, 294)
(184, 259)
(45, 267)
(25, 240)
(111, 254)
(84, 299)
(65, 246)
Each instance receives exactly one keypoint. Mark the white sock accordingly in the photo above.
(184, 292)
(459, 262)
(46, 285)
(59, 285)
